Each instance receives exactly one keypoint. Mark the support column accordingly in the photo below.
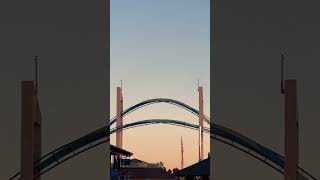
(121, 110)
(201, 117)
(291, 131)
(27, 130)
(30, 130)
(182, 160)
(37, 139)
(119, 121)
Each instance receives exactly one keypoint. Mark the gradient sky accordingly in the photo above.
(159, 49)
(69, 38)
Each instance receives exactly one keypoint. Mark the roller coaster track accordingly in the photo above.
(160, 100)
(102, 135)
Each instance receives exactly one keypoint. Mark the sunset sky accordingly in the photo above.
(159, 49)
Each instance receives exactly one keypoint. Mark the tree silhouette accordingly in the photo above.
(175, 170)
(169, 171)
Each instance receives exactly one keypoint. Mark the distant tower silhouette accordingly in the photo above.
(119, 120)
(182, 160)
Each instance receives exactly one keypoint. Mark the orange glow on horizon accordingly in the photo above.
(161, 143)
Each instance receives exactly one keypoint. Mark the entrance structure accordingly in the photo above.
(120, 113)
(217, 132)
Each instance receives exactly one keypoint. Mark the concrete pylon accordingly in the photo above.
(37, 141)
(201, 117)
(30, 130)
(291, 131)
(119, 120)
(182, 160)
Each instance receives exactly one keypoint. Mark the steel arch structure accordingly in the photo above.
(217, 132)
(160, 100)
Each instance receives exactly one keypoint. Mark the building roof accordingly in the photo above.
(147, 173)
(137, 161)
(116, 150)
(201, 168)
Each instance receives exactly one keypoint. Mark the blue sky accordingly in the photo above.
(158, 49)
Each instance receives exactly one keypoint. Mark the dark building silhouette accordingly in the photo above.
(147, 173)
(117, 157)
(200, 170)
